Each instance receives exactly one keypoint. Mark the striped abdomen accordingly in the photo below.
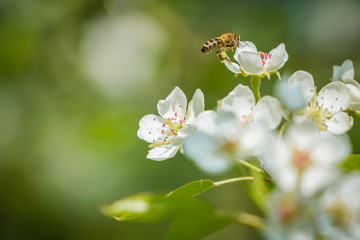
(212, 44)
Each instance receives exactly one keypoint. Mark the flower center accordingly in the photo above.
(264, 57)
(301, 159)
(317, 114)
(287, 210)
(172, 125)
(246, 119)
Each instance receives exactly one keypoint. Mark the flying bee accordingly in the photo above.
(225, 42)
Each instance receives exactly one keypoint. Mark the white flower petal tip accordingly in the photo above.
(345, 74)
(167, 132)
(345, 71)
(163, 152)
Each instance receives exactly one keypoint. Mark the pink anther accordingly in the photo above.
(263, 62)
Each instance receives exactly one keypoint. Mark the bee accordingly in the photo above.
(225, 42)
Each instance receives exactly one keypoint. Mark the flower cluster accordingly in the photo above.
(296, 146)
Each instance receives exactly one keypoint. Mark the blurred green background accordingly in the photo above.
(77, 76)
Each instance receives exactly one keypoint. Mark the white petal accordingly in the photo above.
(268, 110)
(253, 139)
(240, 101)
(150, 127)
(345, 71)
(162, 152)
(287, 179)
(330, 149)
(334, 97)
(245, 46)
(205, 152)
(315, 179)
(279, 57)
(196, 106)
(290, 95)
(354, 90)
(302, 136)
(305, 82)
(340, 123)
(250, 63)
(174, 104)
(234, 67)
(206, 122)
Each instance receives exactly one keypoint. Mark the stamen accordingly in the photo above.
(270, 55)
(263, 62)
(163, 125)
(162, 132)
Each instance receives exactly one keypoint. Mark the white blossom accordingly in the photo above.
(241, 102)
(326, 108)
(167, 132)
(339, 209)
(345, 73)
(305, 159)
(252, 62)
(220, 139)
(288, 217)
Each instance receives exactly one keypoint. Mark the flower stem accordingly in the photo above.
(255, 84)
(248, 165)
(251, 220)
(231, 180)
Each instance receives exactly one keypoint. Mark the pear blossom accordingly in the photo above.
(220, 138)
(326, 108)
(167, 132)
(241, 102)
(345, 73)
(288, 217)
(252, 62)
(304, 160)
(339, 209)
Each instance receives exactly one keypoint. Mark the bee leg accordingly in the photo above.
(223, 56)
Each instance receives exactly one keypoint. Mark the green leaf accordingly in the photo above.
(192, 189)
(192, 218)
(192, 228)
(153, 208)
(351, 163)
